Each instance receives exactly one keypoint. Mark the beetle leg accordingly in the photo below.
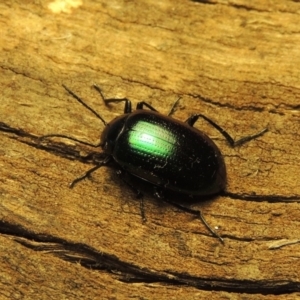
(127, 106)
(138, 193)
(90, 171)
(173, 108)
(160, 195)
(197, 213)
(141, 105)
(41, 138)
(193, 118)
(121, 174)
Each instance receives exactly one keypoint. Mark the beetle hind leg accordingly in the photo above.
(197, 213)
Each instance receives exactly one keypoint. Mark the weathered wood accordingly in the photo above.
(236, 62)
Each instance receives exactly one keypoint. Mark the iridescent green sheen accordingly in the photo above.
(151, 139)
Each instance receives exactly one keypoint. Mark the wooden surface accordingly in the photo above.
(236, 62)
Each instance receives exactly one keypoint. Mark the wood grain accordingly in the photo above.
(236, 62)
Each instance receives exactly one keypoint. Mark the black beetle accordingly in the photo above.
(169, 154)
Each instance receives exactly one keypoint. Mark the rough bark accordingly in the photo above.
(236, 62)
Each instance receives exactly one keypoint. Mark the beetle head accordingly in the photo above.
(111, 132)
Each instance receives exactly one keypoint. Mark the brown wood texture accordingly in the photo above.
(234, 61)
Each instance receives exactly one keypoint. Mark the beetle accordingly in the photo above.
(169, 154)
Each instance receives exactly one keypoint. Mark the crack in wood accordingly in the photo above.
(70, 152)
(93, 259)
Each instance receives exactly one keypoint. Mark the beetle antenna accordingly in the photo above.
(85, 105)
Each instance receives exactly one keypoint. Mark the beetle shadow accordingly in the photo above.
(178, 200)
(162, 196)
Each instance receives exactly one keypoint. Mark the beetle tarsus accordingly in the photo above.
(249, 137)
(201, 217)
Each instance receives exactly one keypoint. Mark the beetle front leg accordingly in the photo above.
(127, 106)
(141, 105)
(90, 171)
(193, 118)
